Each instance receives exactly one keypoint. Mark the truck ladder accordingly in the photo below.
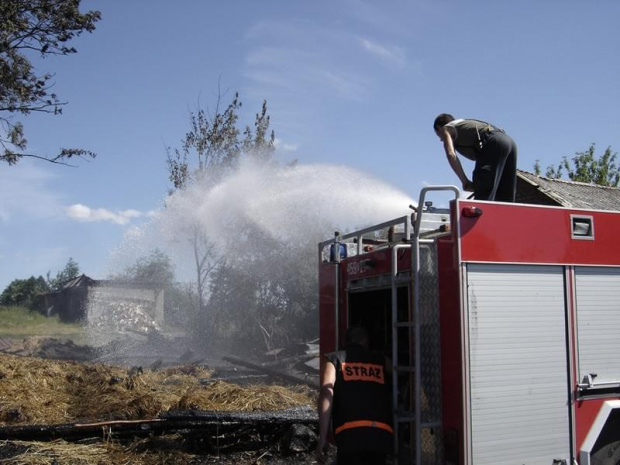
(411, 413)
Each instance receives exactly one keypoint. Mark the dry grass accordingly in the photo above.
(36, 391)
(44, 453)
(61, 452)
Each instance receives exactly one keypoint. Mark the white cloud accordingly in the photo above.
(282, 57)
(27, 193)
(391, 54)
(81, 212)
(281, 146)
(394, 20)
(300, 68)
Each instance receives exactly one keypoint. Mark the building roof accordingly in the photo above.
(80, 281)
(538, 189)
(86, 281)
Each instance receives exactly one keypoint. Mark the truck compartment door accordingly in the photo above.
(597, 292)
(518, 387)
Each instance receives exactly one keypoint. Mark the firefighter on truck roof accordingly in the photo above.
(355, 396)
(495, 154)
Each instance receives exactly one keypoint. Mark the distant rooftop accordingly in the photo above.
(86, 281)
(545, 191)
(80, 281)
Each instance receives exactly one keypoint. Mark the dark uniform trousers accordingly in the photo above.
(495, 173)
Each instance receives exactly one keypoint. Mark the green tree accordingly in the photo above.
(156, 268)
(586, 167)
(213, 141)
(43, 27)
(265, 292)
(210, 147)
(260, 144)
(24, 291)
(210, 150)
(69, 272)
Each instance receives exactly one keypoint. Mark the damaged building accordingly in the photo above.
(84, 298)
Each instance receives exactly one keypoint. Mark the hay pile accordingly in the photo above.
(35, 391)
(38, 453)
(143, 452)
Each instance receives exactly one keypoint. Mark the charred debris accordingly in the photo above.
(54, 390)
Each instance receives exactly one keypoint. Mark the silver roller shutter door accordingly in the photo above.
(597, 292)
(518, 365)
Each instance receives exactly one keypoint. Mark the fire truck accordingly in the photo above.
(501, 323)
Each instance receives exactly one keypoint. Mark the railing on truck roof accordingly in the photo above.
(358, 239)
(425, 220)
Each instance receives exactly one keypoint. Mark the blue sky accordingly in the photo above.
(348, 83)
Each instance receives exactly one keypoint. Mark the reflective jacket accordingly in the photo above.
(361, 412)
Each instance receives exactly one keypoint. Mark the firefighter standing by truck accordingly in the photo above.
(355, 396)
(495, 154)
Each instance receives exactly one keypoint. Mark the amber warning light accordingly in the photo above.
(471, 212)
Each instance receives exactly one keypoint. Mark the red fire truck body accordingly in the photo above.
(503, 326)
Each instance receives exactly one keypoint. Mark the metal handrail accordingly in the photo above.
(415, 250)
(418, 220)
(395, 426)
(359, 235)
(588, 383)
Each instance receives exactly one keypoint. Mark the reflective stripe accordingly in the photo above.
(363, 423)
